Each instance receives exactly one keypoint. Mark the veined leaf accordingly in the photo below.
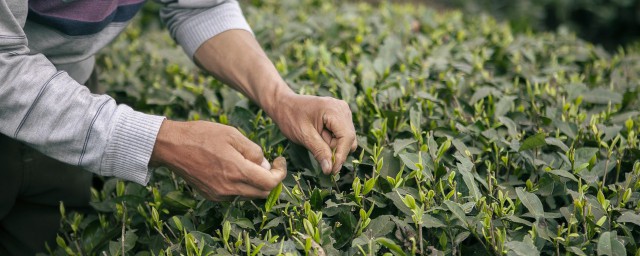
(535, 141)
(524, 248)
(468, 179)
(401, 144)
(608, 244)
(629, 217)
(179, 200)
(432, 222)
(457, 211)
(531, 202)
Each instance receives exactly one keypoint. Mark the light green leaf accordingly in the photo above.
(391, 245)
(273, 197)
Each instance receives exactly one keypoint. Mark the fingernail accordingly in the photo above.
(265, 164)
(326, 166)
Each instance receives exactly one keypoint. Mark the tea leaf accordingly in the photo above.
(608, 244)
(629, 217)
(523, 248)
(531, 202)
(179, 200)
(400, 144)
(457, 211)
(273, 197)
(535, 141)
(469, 181)
(390, 245)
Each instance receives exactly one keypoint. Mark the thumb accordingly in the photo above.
(279, 168)
(320, 150)
(280, 165)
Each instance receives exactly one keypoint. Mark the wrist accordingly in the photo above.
(279, 97)
(164, 143)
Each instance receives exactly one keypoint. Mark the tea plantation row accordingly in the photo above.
(472, 140)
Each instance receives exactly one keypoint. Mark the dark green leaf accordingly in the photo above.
(523, 248)
(457, 211)
(535, 141)
(400, 144)
(608, 244)
(179, 200)
(429, 221)
(465, 171)
(531, 202)
(629, 217)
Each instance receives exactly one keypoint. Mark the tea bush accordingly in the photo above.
(472, 140)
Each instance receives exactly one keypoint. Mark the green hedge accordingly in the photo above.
(472, 139)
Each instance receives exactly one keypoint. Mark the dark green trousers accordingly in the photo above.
(32, 186)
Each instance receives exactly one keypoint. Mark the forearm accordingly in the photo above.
(236, 58)
(49, 111)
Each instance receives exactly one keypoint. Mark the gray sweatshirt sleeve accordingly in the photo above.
(52, 113)
(192, 22)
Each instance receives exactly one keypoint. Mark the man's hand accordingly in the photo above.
(217, 160)
(321, 124)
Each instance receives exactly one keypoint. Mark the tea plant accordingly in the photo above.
(472, 139)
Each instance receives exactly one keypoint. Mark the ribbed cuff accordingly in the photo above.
(195, 31)
(129, 150)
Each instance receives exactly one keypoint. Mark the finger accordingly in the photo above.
(354, 146)
(345, 136)
(249, 150)
(327, 136)
(243, 192)
(265, 164)
(250, 192)
(263, 179)
(279, 168)
(320, 150)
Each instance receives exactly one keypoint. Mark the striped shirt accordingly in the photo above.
(46, 54)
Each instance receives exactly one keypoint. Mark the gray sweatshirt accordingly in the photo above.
(46, 54)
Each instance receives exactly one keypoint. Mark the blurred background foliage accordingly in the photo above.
(609, 23)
